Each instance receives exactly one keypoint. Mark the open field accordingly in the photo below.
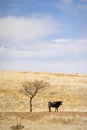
(44, 120)
(69, 88)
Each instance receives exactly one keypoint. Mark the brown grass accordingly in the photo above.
(44, 120)
(70, 88)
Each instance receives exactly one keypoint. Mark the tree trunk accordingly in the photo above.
(31, 104)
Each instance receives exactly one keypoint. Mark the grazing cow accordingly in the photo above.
(55, 105)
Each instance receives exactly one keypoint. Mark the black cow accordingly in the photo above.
(55, 105)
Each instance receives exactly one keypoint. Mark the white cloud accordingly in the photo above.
(72, 45)
(32, 28)
(46, 66)
(47, 56)
(62, 40)
(22, 47)
(50, 49)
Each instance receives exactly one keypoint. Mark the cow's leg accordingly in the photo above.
(49, 109)
(55, 109)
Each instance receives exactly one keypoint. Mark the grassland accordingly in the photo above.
(69, 88)
(44, 120)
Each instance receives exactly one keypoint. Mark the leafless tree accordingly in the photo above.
(31, 89)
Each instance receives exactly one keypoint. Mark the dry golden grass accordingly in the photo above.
(70, 88)
(44, 120)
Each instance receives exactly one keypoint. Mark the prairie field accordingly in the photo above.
(44, 120)
(71, 89)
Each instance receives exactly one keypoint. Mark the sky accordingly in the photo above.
(43, 35)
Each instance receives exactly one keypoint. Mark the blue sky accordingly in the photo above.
(45, 36)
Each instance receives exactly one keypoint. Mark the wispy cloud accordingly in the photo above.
(66, 1)
(43, 35)
(14, 29)
(49, 49)
(62, 66)
(57, 55)
(82, 6)
(83, 0)
(68, 6)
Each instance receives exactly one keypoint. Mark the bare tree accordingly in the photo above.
(32, 88)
